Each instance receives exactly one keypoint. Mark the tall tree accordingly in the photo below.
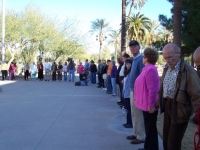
(177, 22)
(137, 26)
(123, 28)
(135, 4)
(115, 41)
(190, 26)
(100, 26)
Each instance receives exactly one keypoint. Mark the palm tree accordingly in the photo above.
(135, 4)
(177, 22)
(123, 28)
(100, 26)
(165, 35)
(115, 41)
(152, 29)
(137, 27)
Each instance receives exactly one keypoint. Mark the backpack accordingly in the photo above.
(77, 83)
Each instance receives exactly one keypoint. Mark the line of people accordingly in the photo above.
(142, 92)
(5, 71)
(54, 70)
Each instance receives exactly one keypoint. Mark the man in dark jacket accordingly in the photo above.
(99, 73)
(93, 71)
(179, 94)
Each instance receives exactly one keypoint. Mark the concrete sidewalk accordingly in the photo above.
(39, 115)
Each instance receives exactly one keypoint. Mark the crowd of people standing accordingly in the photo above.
(142, 93)
(140, 90)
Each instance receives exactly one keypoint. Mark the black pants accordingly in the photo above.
(100, 78)
(54, 76)
(40, 74)
(26, 74)
(151, 140)
(59, 75)
(128, 108)
(172, 133)
(4, 74)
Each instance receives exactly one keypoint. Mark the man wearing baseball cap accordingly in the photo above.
(137, 116)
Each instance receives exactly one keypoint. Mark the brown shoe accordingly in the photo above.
(136, 141)
(132, 137)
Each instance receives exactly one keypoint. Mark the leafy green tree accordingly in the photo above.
(190, 26)
(133, 4)
(166, 22)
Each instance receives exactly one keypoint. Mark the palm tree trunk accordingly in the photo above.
(177, 22)
(123, 31)
(115, 53)
(100, 50)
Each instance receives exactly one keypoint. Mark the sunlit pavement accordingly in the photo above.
(42, 115)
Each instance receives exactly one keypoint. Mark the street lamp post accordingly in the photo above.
(3, 30)
(100, 38)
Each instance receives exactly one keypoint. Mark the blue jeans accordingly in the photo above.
(33, 76)
(84, 82)
(71, 75)
(108, 84)
(114, 86)
(65, 76)
(93, 77)
(128, 108)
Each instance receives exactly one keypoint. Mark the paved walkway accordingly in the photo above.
(39, 115)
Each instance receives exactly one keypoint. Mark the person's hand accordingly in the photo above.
(152, 110)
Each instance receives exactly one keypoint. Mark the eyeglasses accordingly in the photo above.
(168, 58)
(198, 68)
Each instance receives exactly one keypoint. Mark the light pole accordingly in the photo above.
(100, 38)
(3, 30)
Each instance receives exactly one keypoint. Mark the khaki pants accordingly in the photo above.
(137, 120)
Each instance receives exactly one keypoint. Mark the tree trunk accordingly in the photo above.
(177, 22)
(100, 51)
(116, 54)
(123, 31)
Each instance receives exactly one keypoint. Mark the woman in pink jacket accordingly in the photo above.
(146, 90)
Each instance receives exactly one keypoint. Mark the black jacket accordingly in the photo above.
(83, 77)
